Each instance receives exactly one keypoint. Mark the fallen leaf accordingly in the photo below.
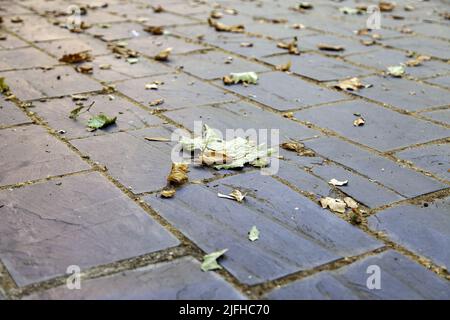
(101, 121)
(75, 112)
(386, 6)
(234, 195)
(158, 9)
(154, 30)
(158, 139)
(78, 57)
(288, 115)
(156, 102)
(396, 71)
(225, 28)
(253, 234)
(3, 86)
(216, 14)
(79, 97)
(211, 157)
(284, 67)
(338, 183)
(85, 69)
(169, 193)
(210, 260)
(299, 148)
(297, 26)
(246, 44)
(336, 205)
(353, 84)
(178, 174)
(351, 11)
(105, 66)
(244, 77)
(132, 60)
(350, 203)
(16, 20)
(292, 46)
(151, 86)
(359, 122)
(330, 47)
(163, 55)
(417, 61)
(367, 42)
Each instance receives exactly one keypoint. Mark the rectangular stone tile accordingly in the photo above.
(30, 153)
(423, 229)
(241, 115)
(401, 278)
(214, 65)
(318, 67)
(36, 83)
(116, 31)
(432, 47)
(275, 89)
(10, 114)
(432, 30)
(24, 58)
(434, 158)
(290, 240)
(194, 92)
(77, 43)
(404, 94)
(383, 130)
(381, 59)
(443, 81)
(138, 164)
(129, 116)
(390, 174)
(439, 115)
(34, 28)
(8, 8)
(121, 69)
(151, 45)
(9, 41)
(80, 220)
(181, 279)
(358, 187)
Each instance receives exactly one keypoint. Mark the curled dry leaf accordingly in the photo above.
(78, 57)
(338, 183)
(210, 260)
(3, 86)
(216, 14)
(299, 148)
(284, 67)
(243, 77)
(151, 86)
(164, 55)
(178, 174)
(359, 122)
(155, 30)
(292, 46)
(221, 27)
(212, 157)
(246, 44)
(386, 6)
(168, 193)
(351, 203)
(417, 61)
(86, 69)
(367, 42)
(288, 115)
(156, 102)
(353, 84)
(336, 205)
(396, 71)
(158, 9)
(234, 195)
(253, 234)
(330, 47)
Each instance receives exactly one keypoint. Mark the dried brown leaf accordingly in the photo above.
(178, 174)
(164, 55)
(77, 57)
(330, 47)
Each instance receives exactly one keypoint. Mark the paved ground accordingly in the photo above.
(92, 199)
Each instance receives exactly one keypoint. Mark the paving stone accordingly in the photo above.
(129, 116)
(34, 28)
(434, 158)
(241, 115)
(121, 69)
(390, 174)
(138, 164)
(116, 31)
(36, 83)
(10, 114)
(381, 59)
(432, 47)
(401, 278)
(351, 46)
(8, 8)
(358, 187)
(152, 45)
(290, 239)
(439, 115)
(383, 129)
(30, 153)
(404, 94)
(443, 81)
(318, 67)
(81, 42)
(432, 30)
(8, 41)
(423, 230)
(274, 89)
(215, 65)
(95, 16)
(85, 221)
(194, 92)
(24, 58)
(180, 279)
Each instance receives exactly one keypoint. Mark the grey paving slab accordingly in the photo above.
(290, 239)
(120, 69)
(358, 187)
(82, 220)
(443, 81)
(10, 114)
(318, 67)
(432, 30)
(241, 115)
(215, 65)
(34, 28)
(30, 153)
(433, 47)
(8, 41)
(390, 174)
(129, 116)
(439, 115)
(404, 94)
(136, 163)
(401, 278)
(152, 45)
(275, 89)
(194, 91)
(24, 58)
(434, 158)
(180, 279)
(77, 43)
(37, 83)
(423, 230)
(383, 130)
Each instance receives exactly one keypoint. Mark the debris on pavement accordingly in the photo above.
(339, 183)
(336, 205)
(221, 27)
(178, 174)
(299, 148)
(83, 56)
(352, 84)
(396, 71)
(291, 47)
(101, 121)
(210, 260)
(243, 77)
(163, 55)
(234, 195)
(253, 234)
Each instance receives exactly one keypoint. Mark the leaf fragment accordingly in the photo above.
(284, 67)
(243, 77)
(101, 121)
(299, 148)
(359, 122)
(417, 61)
(3, 86)
(330, 47)
(352, 84)
(163, 55)
(338, 183)
(336, 205)
(386, 6)
(178, 174)
(291, 47)
(253, 234)
(168, 193)
(155, 30)
(210, 260)
(156, 102)
(221, 27)
(396, 71)
(77, 57)
(234, 195)
(351, 203)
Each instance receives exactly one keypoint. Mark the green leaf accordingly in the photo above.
(396, 71)
(3, 86)
(244, 77)
(210, 260)
(101, 121)
(75, 112)
(253, 234)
